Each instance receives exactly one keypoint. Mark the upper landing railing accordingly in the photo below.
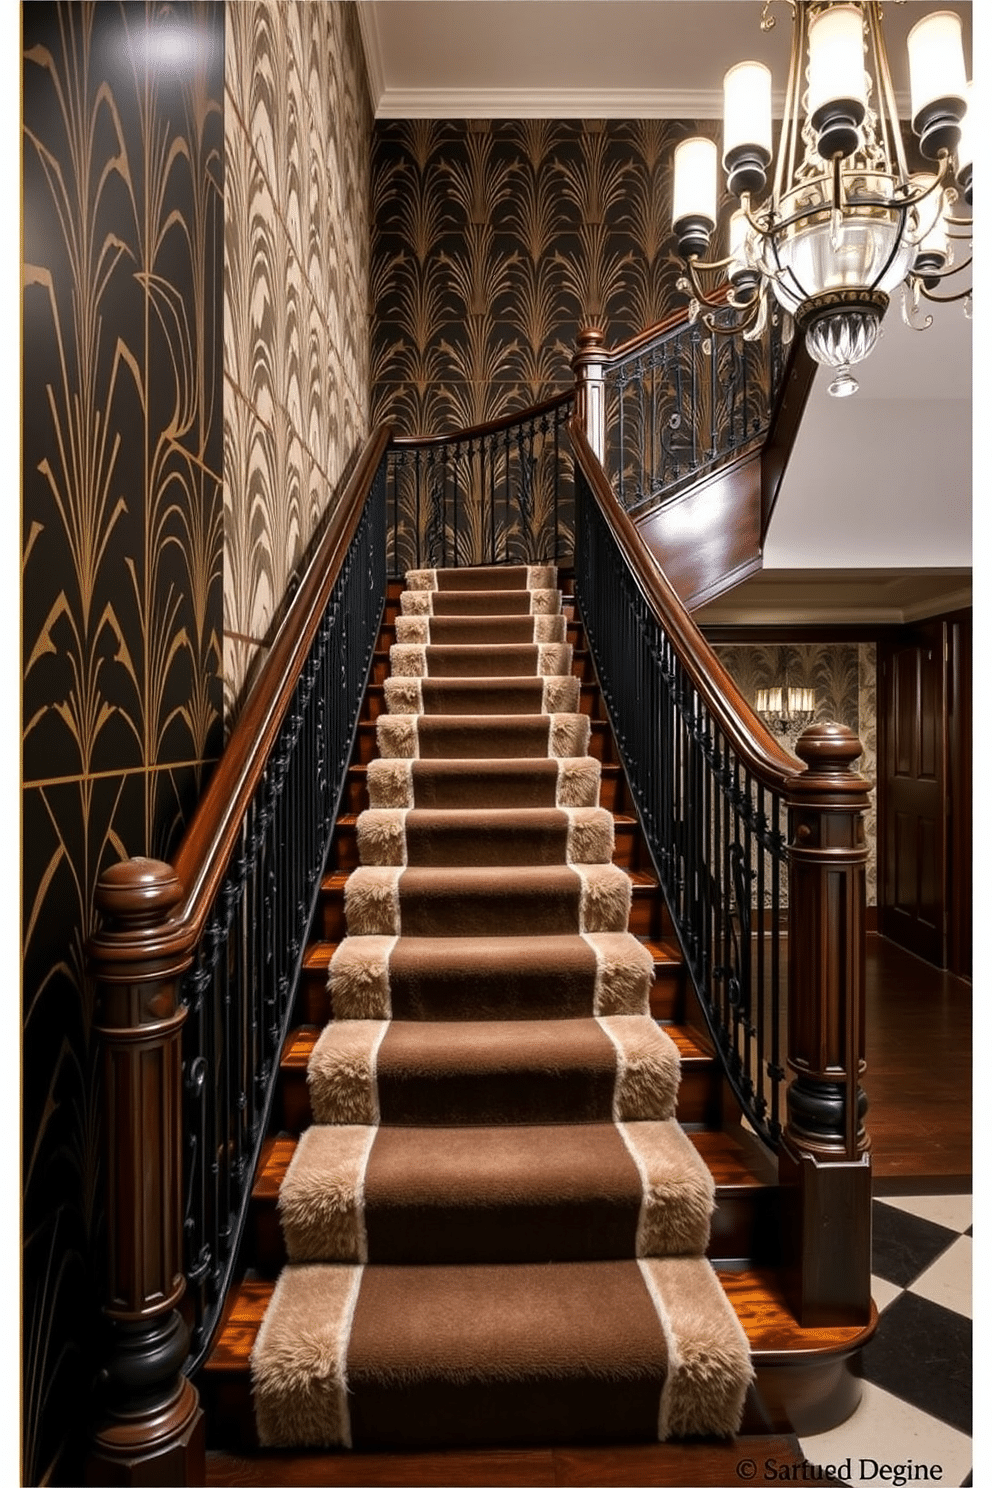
(677, 402)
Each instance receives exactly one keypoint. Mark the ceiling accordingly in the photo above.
(875, 509)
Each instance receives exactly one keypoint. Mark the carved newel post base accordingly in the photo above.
(150, 1427)
(824, 1164)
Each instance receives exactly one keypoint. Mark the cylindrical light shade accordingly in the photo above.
(936, 60)
(694, 196)
(747, 126)
(694, 187)
(836, 59)
(937, 81)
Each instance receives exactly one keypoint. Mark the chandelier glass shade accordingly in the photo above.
(844, 223)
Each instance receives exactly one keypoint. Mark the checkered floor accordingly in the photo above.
(915, 1411)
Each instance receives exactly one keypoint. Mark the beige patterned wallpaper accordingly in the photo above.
(842, 676)
(296, 358)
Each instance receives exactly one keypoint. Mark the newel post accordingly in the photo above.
(589, 364)
(150, 1427)
(824, 1164)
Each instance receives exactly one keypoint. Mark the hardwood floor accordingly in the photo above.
(919, 1073)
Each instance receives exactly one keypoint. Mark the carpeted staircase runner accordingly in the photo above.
(495, 1227)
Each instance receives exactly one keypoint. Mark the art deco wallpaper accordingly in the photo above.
(297, 126)
(495, 242)
(195, 376)
(123, 160)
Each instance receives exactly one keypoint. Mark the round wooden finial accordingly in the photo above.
(828, 748)
(138, 890)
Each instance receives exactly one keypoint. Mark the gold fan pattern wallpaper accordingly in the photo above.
(195, 373)
(495, 241)
(296, 368)
(123, 160)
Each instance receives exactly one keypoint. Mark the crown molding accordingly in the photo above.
(375, 72)
(547, 103)
(541, 103)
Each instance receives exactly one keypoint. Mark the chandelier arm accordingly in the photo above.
(889, 116)
(912, 198)
(945, 299)
(947, 272)
(787, 150)
(699, 292)
(749, 315)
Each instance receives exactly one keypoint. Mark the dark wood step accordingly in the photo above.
(743, 1226)
(590, 701)
(666, 997)
(626, 834)
(805, 1380)
(698, 1102)
(648, 915)
(613, 794)
(582, 666)
(600, 741)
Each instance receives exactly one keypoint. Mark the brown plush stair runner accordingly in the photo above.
(495, 1227)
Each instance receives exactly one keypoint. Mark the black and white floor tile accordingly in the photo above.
(914, 1422)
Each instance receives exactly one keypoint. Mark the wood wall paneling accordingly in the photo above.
(925, 789)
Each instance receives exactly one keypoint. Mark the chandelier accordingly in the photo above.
(846, 222)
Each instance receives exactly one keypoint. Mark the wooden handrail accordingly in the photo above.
(751, 740)
(213, 830)
(481, 431)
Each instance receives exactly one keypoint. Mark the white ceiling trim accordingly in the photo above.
(543, 103)
(375, 70)
(547, 103)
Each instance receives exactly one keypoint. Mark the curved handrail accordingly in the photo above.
(213, 830)
(482, 431)
(756, 746)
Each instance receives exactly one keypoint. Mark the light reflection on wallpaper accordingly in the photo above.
(842, 675)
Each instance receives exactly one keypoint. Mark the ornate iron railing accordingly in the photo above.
(239, 990)
(715, 829)
(197, 964)
(683, 400)
(498, 493)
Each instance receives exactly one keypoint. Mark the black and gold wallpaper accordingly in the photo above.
(495, 242)
(297, 125)
(122, 564)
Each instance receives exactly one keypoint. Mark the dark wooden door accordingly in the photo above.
(913, 791)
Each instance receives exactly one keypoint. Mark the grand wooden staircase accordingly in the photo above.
(746, 879)
(803, 1380)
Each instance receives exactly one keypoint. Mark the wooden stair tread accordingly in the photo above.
(771, 1330)
(732, 1166)
(667, 958)
(301, 1040)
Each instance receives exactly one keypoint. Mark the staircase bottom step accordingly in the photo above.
(805, 1380)
(402, 1357)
